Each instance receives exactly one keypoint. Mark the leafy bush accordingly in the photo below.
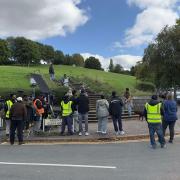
(59, 93)
(146, 86)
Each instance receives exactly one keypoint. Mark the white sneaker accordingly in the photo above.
(117, 133)
(86, 134)
(121, 132)
(99, 132)
(104, 132)
(80, 133)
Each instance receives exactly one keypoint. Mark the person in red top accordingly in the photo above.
(39, 111)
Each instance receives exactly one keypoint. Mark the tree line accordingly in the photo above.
(118, 68)
(23, 51)
(161, 59)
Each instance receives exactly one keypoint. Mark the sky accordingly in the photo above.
(106, 29)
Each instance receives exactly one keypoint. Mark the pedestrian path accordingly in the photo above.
(41, 83)
(134, 130)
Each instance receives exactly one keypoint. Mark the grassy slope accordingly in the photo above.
(13, 77)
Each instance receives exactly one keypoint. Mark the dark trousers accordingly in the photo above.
(117, 122)
(156, 128)
(171, 125)
(67, 120)
(16, 124)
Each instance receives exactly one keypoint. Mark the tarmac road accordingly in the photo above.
(121, 161)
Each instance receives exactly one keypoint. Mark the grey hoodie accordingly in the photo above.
(102, 107)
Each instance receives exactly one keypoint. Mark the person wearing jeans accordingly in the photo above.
(7, 107)
(170, 116)
(39, 111)
(115, 110)
(83, 117)
(156, 127)
(153, 113)
(83, 109)
(75, 111)
(67, 111)
(102, 113)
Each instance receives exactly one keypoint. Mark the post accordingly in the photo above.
(43, 124)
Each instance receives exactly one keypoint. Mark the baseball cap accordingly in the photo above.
(19, 99)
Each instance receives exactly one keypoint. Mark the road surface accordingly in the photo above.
(118, 161)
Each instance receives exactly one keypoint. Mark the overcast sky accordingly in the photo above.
(117, 29)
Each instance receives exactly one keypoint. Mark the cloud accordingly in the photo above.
(127, 61)
(157, 3)
(154, 16)
(40, 19)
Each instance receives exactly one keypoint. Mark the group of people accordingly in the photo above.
(64, 80)
(159, 116)
(20, 112)
(74, 110)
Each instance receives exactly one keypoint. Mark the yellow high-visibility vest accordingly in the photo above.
(9, 104)
(66, 108)
(153, 113)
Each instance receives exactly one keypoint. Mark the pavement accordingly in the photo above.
(126, 161)
(134, 129)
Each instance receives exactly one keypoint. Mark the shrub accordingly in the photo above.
(146, 86)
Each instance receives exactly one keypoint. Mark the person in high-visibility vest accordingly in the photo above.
(7, 108)
(153, 113)
(67, 111)
(39, 111)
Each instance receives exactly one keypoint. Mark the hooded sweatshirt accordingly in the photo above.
(102, 108)
(170, 110)
(153, 102)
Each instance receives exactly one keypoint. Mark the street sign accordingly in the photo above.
(53, 122)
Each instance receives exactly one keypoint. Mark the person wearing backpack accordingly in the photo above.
(39, 111)
(102, 113)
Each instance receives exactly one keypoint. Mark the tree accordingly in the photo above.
(26, 51)
(133, 71)
(118, 68)
(78, 60)
(162, 58)
(47, 53)
(111, 66)
(58, 57)
(92, 63)
(4, 52)
(68, 60)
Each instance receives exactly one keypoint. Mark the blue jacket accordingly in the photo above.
(170, 110)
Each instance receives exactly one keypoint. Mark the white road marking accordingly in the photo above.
(58, 165)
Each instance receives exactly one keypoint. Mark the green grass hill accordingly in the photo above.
(13, 78)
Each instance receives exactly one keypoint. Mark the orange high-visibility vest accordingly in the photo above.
(38, 111)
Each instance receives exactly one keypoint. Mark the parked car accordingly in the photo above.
(178, 96)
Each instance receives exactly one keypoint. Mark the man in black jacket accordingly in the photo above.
(18, 114)
(83, 109)
(115, 110)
